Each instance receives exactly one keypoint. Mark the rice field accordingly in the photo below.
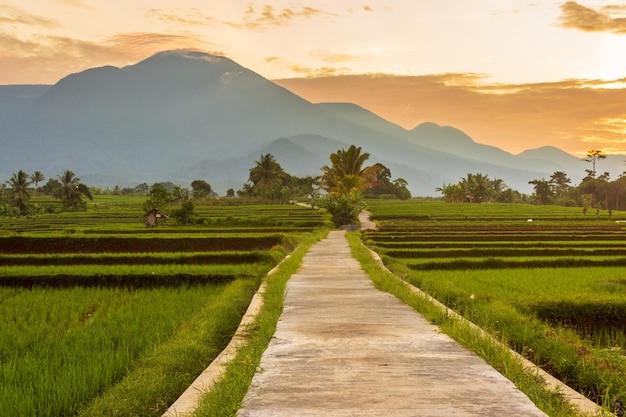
(102, 316)
(553, 288)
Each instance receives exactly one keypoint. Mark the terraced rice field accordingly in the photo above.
(102, 316)
(553, 288)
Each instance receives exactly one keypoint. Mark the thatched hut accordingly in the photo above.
(152, 217)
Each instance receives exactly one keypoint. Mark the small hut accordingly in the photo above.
(153, 216)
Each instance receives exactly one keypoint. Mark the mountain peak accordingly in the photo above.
(188, 54)
(448, 134)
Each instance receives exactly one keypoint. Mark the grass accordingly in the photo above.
(227, 395)
(557, 310)
(127, 317)
(61, 348)
(494, 353)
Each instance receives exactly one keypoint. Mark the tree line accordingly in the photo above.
(67, 188)
(344, 183)
(594, 191)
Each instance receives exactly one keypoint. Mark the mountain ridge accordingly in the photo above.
(165, 117)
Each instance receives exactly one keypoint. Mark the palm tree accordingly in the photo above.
(71, 191)
(266, 175)
(37, 177)
(347, 173)
(20, 187)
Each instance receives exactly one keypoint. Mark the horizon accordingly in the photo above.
(518, 76)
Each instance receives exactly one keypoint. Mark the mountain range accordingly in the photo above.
(184, 115)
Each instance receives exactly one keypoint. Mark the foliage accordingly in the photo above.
(384, 186)
(478, 188)
(347, 173)
(267, 177)
(37, 177)
(20, 190)
(70, 191)
(160, 198)
(201, 189)
(344, 208)
(184, 213)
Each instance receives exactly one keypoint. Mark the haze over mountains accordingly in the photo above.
(181, 115)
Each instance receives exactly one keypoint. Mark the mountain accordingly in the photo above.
(183, 115)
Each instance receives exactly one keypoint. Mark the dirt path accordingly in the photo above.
(343, 348)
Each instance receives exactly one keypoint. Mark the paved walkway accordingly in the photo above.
(343, 348)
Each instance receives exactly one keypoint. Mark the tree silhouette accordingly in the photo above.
(37, 177)
(20, 190)
(266, 176)
(593, 156)
(347, 174)
(71, 191)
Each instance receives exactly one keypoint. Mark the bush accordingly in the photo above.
(344, 209)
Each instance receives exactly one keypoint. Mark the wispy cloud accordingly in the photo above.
(10, 15)
(46, 59)
(569, 114)
(333, 57)
(605, 19)
(268, 16)
(253, 18)
(142, 42)
(80, 4)
(184, 17)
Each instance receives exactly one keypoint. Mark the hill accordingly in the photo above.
(182, 115)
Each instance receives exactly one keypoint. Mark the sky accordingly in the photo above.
(516, 74)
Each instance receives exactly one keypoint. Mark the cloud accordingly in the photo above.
(46, 59)
(79, 4)
(145, 42)
(254, 18)
(315, 72)
(577, 16)
(184, 17)
(10, 15)
(268, 16)
(332, 57)
(569, 114)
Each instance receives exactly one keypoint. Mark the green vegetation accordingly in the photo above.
(544, 287)
(104, 316)
(227, 395)
(347, 179)
(473, 338)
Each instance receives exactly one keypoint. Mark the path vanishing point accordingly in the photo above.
(344, 348)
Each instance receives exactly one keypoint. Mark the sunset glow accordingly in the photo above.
(515, 74)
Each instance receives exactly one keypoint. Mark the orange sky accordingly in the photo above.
(516, 74)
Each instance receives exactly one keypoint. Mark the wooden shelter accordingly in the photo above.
(152, 217)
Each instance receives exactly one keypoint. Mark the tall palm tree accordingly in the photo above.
(71, 190)
(266, 174)
(347, 172)
(37, 177)
(20, 187)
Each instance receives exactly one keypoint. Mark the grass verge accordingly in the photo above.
(227, 395)
(498, 356)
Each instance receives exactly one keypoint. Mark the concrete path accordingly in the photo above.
(343, 348)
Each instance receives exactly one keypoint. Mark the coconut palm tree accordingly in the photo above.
(266, 175)
(344, 181)
(347, 173)
(20, 190)
(71, 191)
(37, 177)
